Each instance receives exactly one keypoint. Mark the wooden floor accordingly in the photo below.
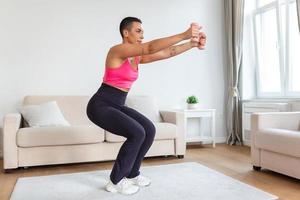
(233, 161)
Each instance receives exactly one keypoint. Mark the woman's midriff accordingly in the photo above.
(123, 89)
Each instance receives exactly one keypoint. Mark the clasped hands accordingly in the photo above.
(198, 39)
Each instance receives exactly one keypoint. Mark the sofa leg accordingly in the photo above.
(7, 170)
(25, 167)
(256, 168)
(180, 156)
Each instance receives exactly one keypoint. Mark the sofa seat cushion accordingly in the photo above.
(164, 131)
(53, 136)
(279, 140)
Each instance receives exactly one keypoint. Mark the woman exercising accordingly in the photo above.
(106, 107)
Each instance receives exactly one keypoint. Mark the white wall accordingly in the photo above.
(59, 47)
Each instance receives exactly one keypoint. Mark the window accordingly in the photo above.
(264, 2)
(294, 49)
(277, 47)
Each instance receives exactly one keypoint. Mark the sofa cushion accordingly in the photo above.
(73, 107)
(146, 105)
(53, 136)
(44, 114)
(279, 140)
(164, 131)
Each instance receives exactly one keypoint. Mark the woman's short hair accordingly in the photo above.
(127, 22)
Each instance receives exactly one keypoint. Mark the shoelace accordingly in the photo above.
(141, 178)
(125, 183)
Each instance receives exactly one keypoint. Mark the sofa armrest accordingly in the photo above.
(11, 125)
(168, 116)
(281, 120)
(176, 118)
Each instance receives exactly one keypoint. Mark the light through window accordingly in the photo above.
(277, 44)
(294, 50)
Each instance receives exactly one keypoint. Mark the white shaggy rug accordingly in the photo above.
(189, 181)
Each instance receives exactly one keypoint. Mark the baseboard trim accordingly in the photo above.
(221, 139)
(247, 143)
(217, 140)
(224, 140)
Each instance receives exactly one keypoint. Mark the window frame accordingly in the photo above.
(283, 55)
(287, 63)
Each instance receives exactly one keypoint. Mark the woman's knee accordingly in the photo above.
(150, 129)
(138, 134)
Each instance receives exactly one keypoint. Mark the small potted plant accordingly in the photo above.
(192, 102)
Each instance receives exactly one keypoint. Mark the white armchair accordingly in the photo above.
(275, 142)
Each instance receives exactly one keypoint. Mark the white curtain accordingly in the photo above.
(234, 16)
(298, 12)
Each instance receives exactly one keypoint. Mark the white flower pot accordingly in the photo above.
(192, 105)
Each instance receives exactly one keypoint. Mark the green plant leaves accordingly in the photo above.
(192, 99)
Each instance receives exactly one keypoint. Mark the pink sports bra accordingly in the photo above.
(123, 76)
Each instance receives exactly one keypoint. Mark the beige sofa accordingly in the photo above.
(275, 142)
(82, 141)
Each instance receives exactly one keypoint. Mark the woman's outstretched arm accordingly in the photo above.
(174, 50)
(131, 50)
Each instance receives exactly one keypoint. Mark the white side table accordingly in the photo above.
(183, 115)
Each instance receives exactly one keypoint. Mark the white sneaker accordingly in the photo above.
(124, 187)
(140, 181)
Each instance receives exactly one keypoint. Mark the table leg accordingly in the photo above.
(213, 128)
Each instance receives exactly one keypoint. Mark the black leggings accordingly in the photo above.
(107, 110)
